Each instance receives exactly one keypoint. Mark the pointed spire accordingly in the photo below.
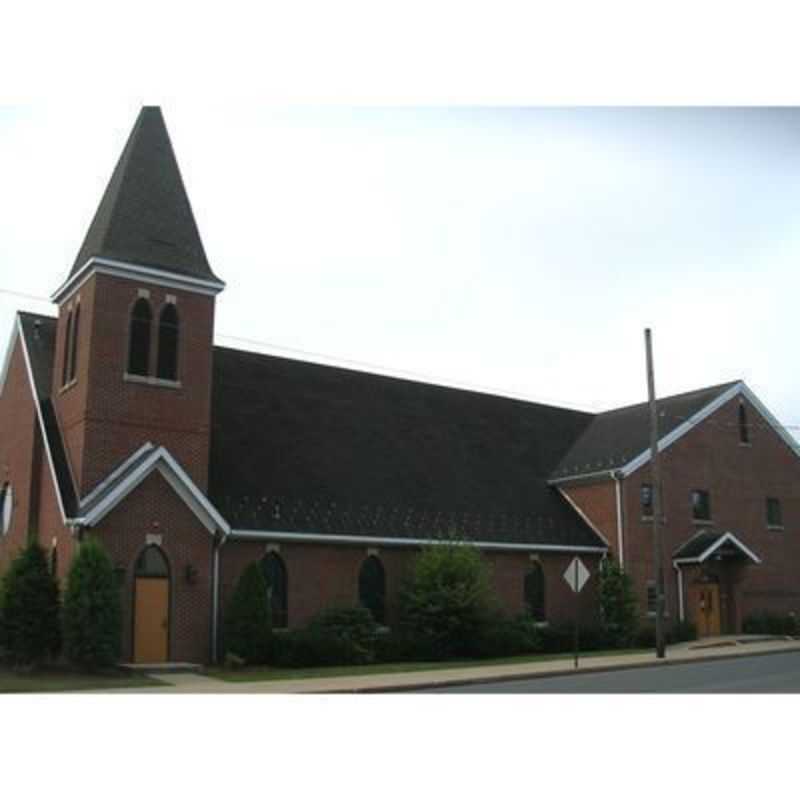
(145, 217)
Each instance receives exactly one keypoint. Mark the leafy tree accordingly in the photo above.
(29, 609)
(618, 611)
(248, 624)
(92, 611)
(447, 603)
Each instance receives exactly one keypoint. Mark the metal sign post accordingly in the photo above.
(576, 576)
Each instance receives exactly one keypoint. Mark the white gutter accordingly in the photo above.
(335, 538)
(679, 572)
(618, 481)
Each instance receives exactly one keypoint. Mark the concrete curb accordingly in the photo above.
(539, 674)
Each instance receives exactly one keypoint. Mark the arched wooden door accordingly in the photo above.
(151, 607)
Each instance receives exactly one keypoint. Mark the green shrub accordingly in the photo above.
(92, 611)
(248, 630)
(447, 602)
(771, 624)
(560, 638)
(684, 632)
(504, 636)
(356, 625)
(29, 609)
(618, 611)
(314, 648)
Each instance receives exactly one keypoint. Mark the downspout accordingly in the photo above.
(618, 481)
(680, 590)
(218, 542)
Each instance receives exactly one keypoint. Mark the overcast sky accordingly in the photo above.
(519, 250)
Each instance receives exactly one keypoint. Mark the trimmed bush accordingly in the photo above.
(684, 632)
(314, 648)
(447, 602)
(92, 611)
(771, 624)
(248, 630)
(29, 609)
(507, 636)
(356, 625)
(618, 611)
(560, 638)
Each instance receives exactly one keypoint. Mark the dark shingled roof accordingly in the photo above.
(145, 216)
(40, 339)
(697, 544)
(297, 446)
(616, 437)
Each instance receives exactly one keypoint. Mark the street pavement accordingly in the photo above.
(777, 672)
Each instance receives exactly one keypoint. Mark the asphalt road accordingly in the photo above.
(750, 674)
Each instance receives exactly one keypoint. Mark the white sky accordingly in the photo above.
(522, 250)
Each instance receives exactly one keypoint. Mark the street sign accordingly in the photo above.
(576, 575)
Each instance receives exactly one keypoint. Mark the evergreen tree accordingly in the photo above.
(618, 610)
(92, 610)
(30, 629)
(248, 624)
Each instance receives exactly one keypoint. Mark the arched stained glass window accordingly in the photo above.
(534, 592)
(168, 326)
(139, 346)
(372, 588)
(275, 576)
(152, 563)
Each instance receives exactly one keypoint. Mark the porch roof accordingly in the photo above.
(705, 544)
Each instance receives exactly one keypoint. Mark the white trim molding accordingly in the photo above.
(136, 272)
(337, 538)
(726, 537)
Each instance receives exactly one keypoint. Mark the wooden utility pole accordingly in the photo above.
(658, 559)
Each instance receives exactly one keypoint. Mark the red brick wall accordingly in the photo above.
(106, 418)
(153, 508)
(598, 501)
(320, 576)
(739, 478)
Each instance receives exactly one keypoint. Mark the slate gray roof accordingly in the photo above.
(297, 446)
(618, 436)
(144, 216)
(40, 338)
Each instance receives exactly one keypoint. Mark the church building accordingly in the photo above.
(120, 419)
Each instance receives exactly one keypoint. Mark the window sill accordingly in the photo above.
(67, 386)
(776, 528)
(702, 522)
(149, 380)
(745, 444)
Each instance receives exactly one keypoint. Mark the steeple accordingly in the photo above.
(145, 217)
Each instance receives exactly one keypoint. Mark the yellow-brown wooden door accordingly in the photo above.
(706, 609)
(151, 621)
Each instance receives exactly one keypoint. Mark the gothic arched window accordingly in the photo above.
(275, 576)
(67, 350)
(168, 343)
(73, 348)
(372, 588)
(534, 592)
(139, 345)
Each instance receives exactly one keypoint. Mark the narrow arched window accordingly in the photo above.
(67, 351)
(168, 343)
(152, 563)
(54, 561)
(73, 348)
(744, 428)
(534, 592)
(372, 588)
(275, 576)
(139, 346)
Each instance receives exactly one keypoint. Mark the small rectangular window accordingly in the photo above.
(701, 505)
(647, 500)
(774, 515)
(651, 597)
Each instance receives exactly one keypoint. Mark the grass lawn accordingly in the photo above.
(283, 674)
(64, 680)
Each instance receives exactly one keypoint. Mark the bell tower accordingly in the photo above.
(136, 321)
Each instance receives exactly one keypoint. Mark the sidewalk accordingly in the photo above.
(704, 650)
